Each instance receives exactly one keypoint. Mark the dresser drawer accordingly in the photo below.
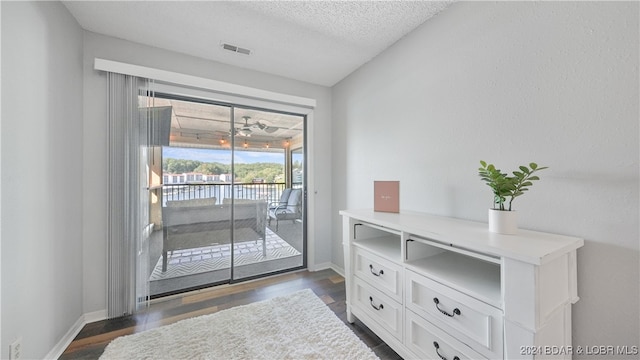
(471, 321)
(429, 342)
(378, 306)
(382, 274)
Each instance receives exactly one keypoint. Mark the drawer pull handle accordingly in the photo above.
(381, 272)
(456, 311)
(375, 307)
(437, 346)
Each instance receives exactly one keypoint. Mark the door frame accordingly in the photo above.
(196, 95)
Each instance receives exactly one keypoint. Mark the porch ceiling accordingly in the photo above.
(206, 125)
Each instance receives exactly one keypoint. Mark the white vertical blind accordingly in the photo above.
(144, 228)
(128, 195)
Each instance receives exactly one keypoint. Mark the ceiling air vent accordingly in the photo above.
(236, 49)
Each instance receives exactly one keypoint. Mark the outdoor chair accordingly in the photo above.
(291, 209)
(284, 197)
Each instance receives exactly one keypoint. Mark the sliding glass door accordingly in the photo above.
(268, 204)
(231, 202)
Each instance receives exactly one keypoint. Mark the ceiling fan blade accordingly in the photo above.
(244, 131)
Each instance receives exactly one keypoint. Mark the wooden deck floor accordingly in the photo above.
(327, 284)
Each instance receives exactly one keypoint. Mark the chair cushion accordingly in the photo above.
(284, 197)
(227, 201)
(192, 202)
(293, 203)
(289, 210)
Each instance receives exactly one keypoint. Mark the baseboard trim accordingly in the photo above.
(337, 269)
(57, 350)
(327, 265)
(319, 267)
(95, 316)
(75, 329)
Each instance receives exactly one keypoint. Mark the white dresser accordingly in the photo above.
(441, 288)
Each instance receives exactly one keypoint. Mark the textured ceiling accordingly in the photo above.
(320, 42)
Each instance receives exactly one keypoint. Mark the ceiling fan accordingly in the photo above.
(246, 131)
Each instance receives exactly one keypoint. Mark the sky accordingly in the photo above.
(221, 156)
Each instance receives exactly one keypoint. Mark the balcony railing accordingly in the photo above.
(269, 192)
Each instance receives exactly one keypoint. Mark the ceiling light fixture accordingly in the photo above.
(246, 129)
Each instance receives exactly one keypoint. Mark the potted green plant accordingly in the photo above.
(505, 188)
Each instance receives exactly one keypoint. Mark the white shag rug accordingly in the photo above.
(296, 326)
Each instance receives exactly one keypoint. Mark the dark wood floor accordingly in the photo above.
(328, 285)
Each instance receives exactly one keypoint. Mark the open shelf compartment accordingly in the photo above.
(383, 242)
(474, 274)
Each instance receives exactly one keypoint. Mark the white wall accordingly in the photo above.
(509, 83)
(41, 187)
(95, 143)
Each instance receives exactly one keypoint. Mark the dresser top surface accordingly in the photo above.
(528, 246)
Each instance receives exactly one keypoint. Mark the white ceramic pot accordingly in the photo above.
(503, 222)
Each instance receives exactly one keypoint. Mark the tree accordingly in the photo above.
(213, 168)
(179, 166)
(270, 172)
